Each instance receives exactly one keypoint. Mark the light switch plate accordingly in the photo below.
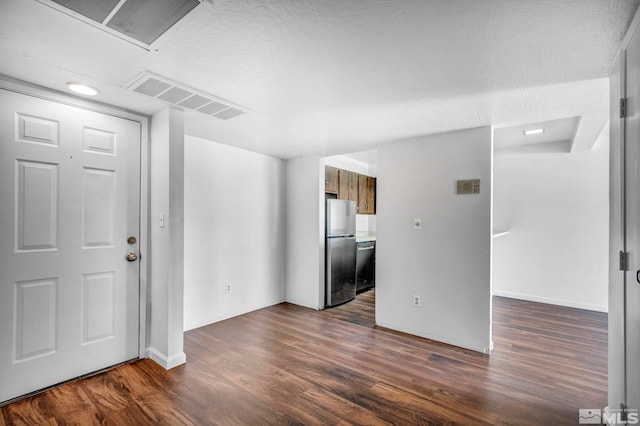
(469, 186)
(417, 223)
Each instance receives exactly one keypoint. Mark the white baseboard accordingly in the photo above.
(303, 304)
(552, 301)
(214, 320)
(453, 342)
(166, 362)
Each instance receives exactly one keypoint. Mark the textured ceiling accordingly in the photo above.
(335, 76)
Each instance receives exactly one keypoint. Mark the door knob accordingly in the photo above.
(132, 257)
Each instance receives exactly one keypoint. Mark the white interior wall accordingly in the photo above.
(448, 261)
(166, 286)
(234, 231)
(305, 232)
(556, 209)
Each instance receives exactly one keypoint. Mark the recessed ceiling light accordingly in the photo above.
(533, 132)
(82, 89)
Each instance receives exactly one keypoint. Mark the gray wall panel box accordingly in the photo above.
(469, 186)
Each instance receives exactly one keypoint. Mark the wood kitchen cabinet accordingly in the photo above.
(353, 187)
(331, 180)
(348, 185)
(366, 195)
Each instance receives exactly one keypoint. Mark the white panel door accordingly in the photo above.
(69, 200)
(632, 223)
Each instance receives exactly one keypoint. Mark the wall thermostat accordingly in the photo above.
(469, 186)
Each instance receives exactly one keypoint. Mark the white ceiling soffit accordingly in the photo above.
(137, 21)
(182, 96)
(557, 137)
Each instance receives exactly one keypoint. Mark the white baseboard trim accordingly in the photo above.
(166, 362)
(231, 315)
(303, 304)
(453, 342)
(552, 301)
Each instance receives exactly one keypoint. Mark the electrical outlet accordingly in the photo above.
(416, 301)
(227, 288)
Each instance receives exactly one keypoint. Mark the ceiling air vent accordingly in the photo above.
(138, 21)
(182, 96)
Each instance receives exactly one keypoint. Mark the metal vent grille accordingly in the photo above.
(147, 20)
(141, 21)
(94, 10)
(180, 95)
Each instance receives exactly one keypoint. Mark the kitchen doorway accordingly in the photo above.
(353, 177)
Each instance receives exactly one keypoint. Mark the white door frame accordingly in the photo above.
(29, 89)
(617, 383)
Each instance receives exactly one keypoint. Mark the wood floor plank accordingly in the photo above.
(286, 364)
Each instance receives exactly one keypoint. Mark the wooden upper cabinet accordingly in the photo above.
(348, 185)
(366, 195)
(331, 179)
(352, 186)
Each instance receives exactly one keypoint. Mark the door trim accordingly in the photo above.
(36, 91)
(622, 388)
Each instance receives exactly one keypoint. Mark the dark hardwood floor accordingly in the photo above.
(291, 365)
(360, 311)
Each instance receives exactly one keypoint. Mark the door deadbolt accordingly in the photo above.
(131, 240)
(132, 257)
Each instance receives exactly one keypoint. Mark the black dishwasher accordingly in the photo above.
(365, 265)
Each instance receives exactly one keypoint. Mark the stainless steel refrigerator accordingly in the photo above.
(340, 252)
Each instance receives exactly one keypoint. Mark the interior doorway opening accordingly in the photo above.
(352, 177)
